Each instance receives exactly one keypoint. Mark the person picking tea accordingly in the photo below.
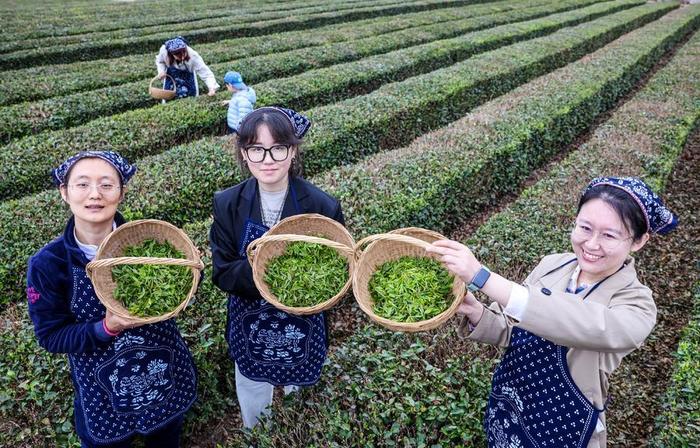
(178, 60)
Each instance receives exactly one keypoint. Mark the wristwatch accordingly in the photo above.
(479, 279)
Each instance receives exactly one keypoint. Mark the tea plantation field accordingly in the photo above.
(480, 119)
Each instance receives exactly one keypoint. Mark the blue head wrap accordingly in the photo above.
(659, 219)
(176, 43)
(300, 123)
(123, 167)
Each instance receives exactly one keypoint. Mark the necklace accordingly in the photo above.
(270, 221)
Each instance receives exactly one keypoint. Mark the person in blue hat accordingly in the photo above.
(569, 324)
(128, 378)
(242, 101)
(178, 60)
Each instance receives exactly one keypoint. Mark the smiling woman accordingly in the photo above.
(111, 359)
(569, 324)
(263, 341)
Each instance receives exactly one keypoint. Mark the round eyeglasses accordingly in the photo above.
(607, 240)
(105, 189)
(256, 154)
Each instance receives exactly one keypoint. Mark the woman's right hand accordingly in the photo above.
(117, 324)
(162, 75)
(471, 308)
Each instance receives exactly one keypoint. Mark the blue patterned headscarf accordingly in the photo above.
(299, 122)
(176, 43)
(123, 167)
(659, 219)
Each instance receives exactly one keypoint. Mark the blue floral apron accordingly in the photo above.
(534, 401)
(143, 380)
(268, 344)
(185, 84)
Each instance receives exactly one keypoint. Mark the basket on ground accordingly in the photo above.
(133, 233)
(310, 228)
(380, 248)
(162, 94)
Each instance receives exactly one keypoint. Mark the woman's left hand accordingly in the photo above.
(211, 92)
(457, 257)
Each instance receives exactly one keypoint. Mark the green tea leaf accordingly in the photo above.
(148, 290)
(306, 274)
(411, 289)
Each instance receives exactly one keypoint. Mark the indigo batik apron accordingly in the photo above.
(534, 401)
(268, 344)
(185, 83)
(143, 380)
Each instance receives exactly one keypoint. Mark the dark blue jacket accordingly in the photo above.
(49, 288)
(136, 382)
(231, 272)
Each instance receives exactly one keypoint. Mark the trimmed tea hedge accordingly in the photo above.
(67, 19)
(396, 113)
(177, 27)
(496, 146)
(121, 47)
(679, 424)
(72, 110)
(23, 163)
(361, 77)
(165, 16)
(20, 243)
(26, 162)
(57, 80)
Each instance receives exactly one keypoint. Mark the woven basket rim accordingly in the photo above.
(101, 262)
(273, 236)
(160, 93)
(365, 304)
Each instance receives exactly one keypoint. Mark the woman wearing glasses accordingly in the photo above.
(128, 379)
(263, 341)
(570, 323)
(182, 63)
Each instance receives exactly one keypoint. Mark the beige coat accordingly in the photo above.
(614, 320)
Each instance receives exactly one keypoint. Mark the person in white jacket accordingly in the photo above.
(242, 101)
(182, 63)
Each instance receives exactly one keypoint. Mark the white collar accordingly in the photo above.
(89, 249)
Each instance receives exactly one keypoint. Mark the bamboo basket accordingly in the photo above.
(162, 94)
(411, 241)
(130, 234)
(300, 228)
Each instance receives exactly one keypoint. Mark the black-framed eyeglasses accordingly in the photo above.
(256, 154)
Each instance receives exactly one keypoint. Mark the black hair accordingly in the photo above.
(171, 56)
(626, 207)
(281, 129)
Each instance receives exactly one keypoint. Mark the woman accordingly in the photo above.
(128, 379)
(182, 63)
(569, 325)
(265, 342)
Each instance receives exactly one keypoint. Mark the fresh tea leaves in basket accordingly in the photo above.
(306, 274)
(411, 289)
(148, 290)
